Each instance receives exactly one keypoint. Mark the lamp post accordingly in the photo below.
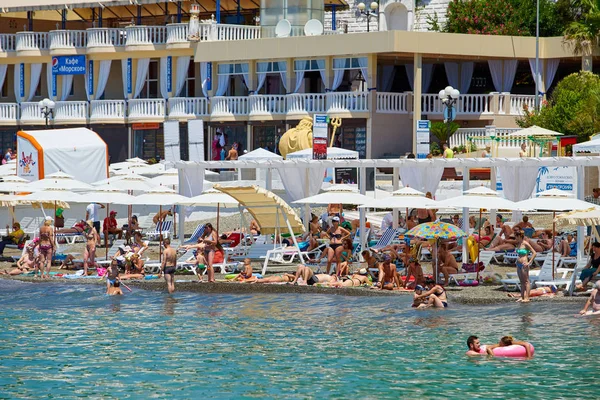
(362, 10)
(47, 108)
(449, 96)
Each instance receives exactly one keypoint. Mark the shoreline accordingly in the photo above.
(480, 295)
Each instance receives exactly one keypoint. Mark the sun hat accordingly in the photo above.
(336, 219)
(48, 218)
(598, 285)
(387, 257)
(419, 287)
(362, 271)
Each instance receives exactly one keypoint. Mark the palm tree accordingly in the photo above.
(582, 35)
(542, 171)
(442, 131)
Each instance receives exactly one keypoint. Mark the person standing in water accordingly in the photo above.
(169, 262)
(523, 264)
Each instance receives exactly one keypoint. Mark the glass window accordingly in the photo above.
(232, 69)
(150, 89)
(348, 63)
(189, 87)
(307, 65)
(149, 144)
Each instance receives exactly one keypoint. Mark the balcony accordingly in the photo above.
(267, 106)
(71, 112)
(105, 37)
(177, 34)
(31, 114)
(392, 103)
(300, 105)
(9, 113)
(67, 40)
(32, 41)
(7, 42)
(347, 103)
(229, 107)
(188, 107)
(146, 110)
(108, 111)
(145, 35)
(518, 102)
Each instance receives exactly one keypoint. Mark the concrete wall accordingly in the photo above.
(392, 135)
(429, 9)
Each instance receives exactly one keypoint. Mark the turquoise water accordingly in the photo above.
(66, 341)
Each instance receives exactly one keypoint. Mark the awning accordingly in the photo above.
(591, 146)
(268, 209)
(333, 153)
(535, 131)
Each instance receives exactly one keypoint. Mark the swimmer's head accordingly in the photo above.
(117, 283)
(506, 341)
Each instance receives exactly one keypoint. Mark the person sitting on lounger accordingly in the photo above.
(544, 242)
(447, 262)
(507, 244)
(370, 260)
(254, 228)
(358, 279)
(593, 300)
(13, 237)
(309, 276)
(568, 246)
(76, 229)
(25, 264)
(134, 267)
(592, 268)
(388, 276)
(414, 269)
(524, 223)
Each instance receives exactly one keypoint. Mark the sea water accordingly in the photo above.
(65, 341)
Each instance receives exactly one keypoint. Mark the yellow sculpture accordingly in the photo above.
(298, 138)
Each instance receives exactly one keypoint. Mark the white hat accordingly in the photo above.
(48, 218)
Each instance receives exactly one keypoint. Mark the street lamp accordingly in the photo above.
(362, 10)
(47, 108)
(449, 96)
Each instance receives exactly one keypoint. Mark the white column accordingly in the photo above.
(581, 231)
(363, 211)
(181, 216)
(417, 68)
(465, 187)
(395, 186)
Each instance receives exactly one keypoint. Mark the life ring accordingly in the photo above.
(514, 350)
(469, 282)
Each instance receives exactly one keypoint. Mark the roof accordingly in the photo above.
(333, 153)
(75, 138)
(260, 154)
(266, 207)
(592, 146)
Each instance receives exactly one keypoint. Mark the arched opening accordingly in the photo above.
(396, 17)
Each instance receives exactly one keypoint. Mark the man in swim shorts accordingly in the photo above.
(594, 301)
(309, 276)
(169, 262)
(387, 274)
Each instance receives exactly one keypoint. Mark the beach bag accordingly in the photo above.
(59, 222)
(475, 267)
(219, 258)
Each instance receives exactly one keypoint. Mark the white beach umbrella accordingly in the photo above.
(480, 198)
(126, 164)
(59, 180)
(589, 217)
(8, 169)
(168, 178)
(337, 194)
(13, 183)
(53, 194)
(144, 169)
(403, 198)
(131, 181)
(214, 197)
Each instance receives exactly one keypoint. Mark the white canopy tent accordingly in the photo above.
(333, 153)
(591, 146)
(262, 174)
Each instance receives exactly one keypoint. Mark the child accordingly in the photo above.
(246, 273)
(112, 275)
(115, 290)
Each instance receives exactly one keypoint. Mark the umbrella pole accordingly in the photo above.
(218, 212)
(160, 235)
(106, 234)
(55, 242)
(479, 241)
(553, 238)
(437, 260)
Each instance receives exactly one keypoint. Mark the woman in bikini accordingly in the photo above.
(138, 246)
(337, 234)
(343, 254)
(26, 262)
(134, 268)
(46, 247)
(78, 228)
(285, 278)
(89, 255)
(523, 264)
(424, 215)
(359, 279)
(211, 242)
(436, 295)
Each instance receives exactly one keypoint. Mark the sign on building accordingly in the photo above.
(68, 65)
(423, 131)
(320, 137)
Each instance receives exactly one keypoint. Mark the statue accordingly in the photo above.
(298, 138)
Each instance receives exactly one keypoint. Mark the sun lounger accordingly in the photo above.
(196, 235)
(386, 239)
(287, 255)
(485, 257)
(162, 228)
(545, 274)
(564, 279)
(112, 251)
(33, 228)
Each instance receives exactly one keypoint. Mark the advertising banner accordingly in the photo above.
(320, 137)
(90, 77)
(169, 74)
(423, 130)
(68, 65)
(129, 76)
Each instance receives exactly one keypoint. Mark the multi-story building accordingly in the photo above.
(242, 79)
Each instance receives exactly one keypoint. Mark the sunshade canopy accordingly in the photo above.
(260, 154)
(534, 131)
(403, 198)
(337, 194)
(589, 217)
(554, 200)
(161, 196)
(480, 198)
(266, 207)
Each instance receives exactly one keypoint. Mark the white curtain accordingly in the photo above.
(496, 72)
(422, 179)
(363, 64)
(191, 180)
(222, 85)
(17, 83)
(426, 76)
(164, 93)
(294, 181)
(551, 68)
(204, 78)
(299, 80)
(246, 76)
(466, 74)
(387, 77)
(3, 68)
(518, 183)
(452, 74)
(140, 76)
(510, 70)
(283, 73)
(261, 72)
(183, 65)
(196, 140)
(50, 81)
(338, 72)
(537, 76)
(171, 138)
(321, 65)
(36, 72)
(103, 73)
(65, 86)
(124, 76)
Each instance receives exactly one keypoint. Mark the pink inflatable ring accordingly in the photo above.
(514, 350)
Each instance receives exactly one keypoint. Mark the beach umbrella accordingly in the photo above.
(141, 169)
(13, 183)
(436, 230)
(337, 194)
(58, 180)
(214, 197)
(403, 198)
(130, 181)
(127, 163)
(555, 200)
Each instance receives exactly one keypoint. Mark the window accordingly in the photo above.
(236, 86)
(150, 89)
(4, 89)
(309, 65)
(232, 69)
(269, 67)
(38, 89)
(189, 87)
(348, 63)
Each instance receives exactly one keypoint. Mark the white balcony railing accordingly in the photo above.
(7, 41)
(71, 111)
(473, 104)
(67, 39)
(462, 135)
(213, 32)
(303, 103)
(146, 108)
(392, 103)
(108, 110)
(106, 37)
(227, 106)
(519, 101)
(268, 104)
(27, 41)
(348, 102)
(431, 104)
(31, 112)
(9, 112)
(188, 107)
(145, 35)
(177, 33)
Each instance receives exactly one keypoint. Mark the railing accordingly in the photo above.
(267, 104)
(67, 39)
(106, 37)
(501, 102)
(213, 32)
(31, 112)
(269, 31)
(9, 111)
(145, 35)
(7, 41)
(222, 106)
(474, 104)
(348, 102)
(301, 103)
(431, 104)
(177, 33)
(188, 107)
(146, 108)
(519, 101)
(104, 110)
(32, 41)
(392, 103)
(71, 111)
(460, 137)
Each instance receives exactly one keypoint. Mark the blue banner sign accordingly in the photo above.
(128, 76)
(209, 76)
(68, 65)
(90, 77)
(21, 80)
(54, 85)
(169, 73)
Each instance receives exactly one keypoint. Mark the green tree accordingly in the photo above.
(573, 109)
(582, 33)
